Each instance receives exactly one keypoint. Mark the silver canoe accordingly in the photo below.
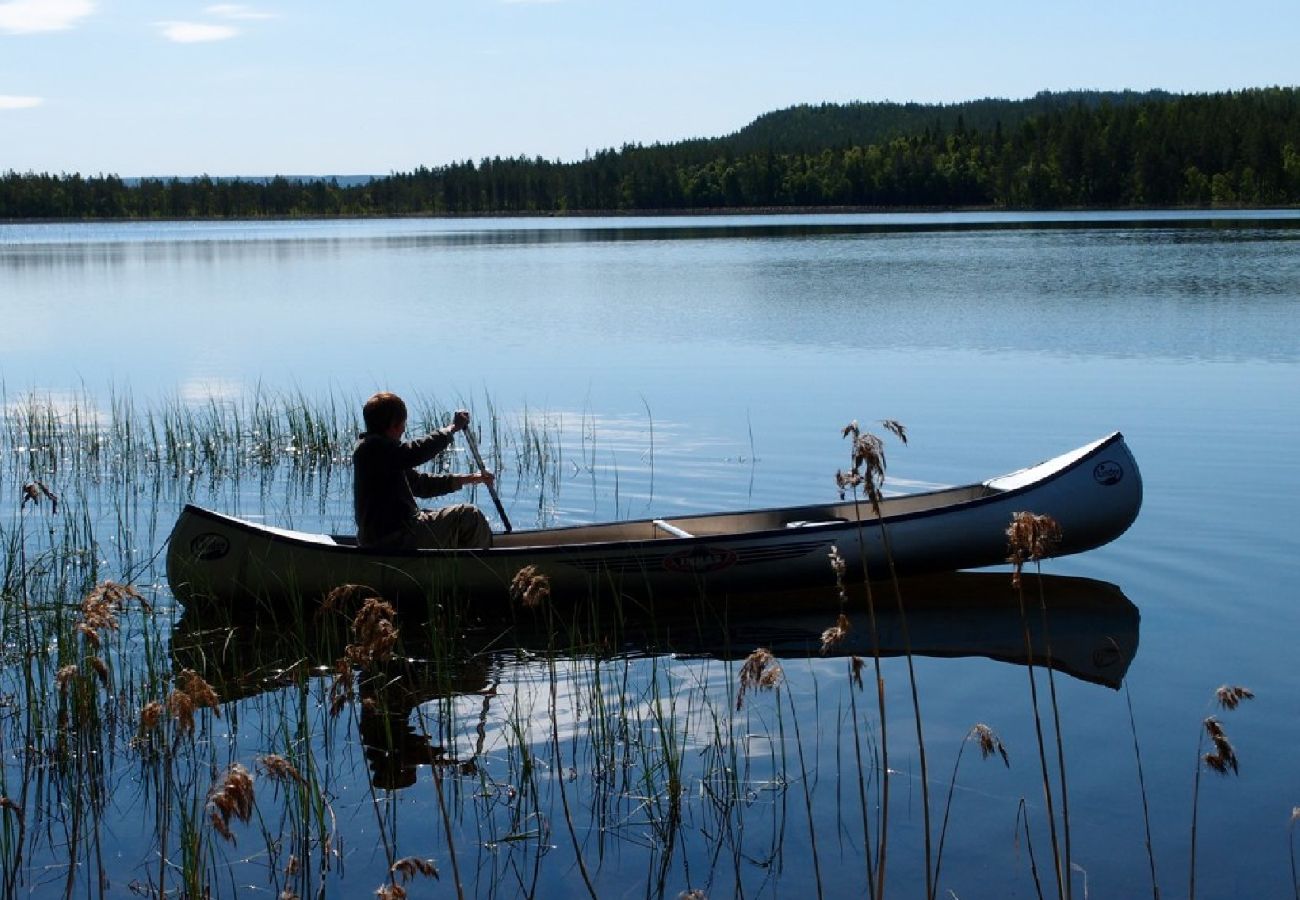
(1094, 493)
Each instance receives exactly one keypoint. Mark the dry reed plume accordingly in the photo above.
(868, 465)
(278, 768)
(191, 694)
(856, 665)
(234, 798)
(1222, 759)
(760, 672)
(345, 596)
(530, 588)
(407, 869)
(33, 491)
(100, 606)
(1230, 696)
(1030, 538)
(835, 635)
(374, 633)
(989, 743)
(341, 690)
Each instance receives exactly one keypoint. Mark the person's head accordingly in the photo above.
(383, 413)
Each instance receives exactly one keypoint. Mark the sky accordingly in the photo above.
(323, 87)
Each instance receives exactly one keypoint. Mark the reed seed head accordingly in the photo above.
(530, 588)
(835, 635)
(1224, 756)
(1030, 538)
(374, 633)
(896, 428)
(837, 562)
(341, 688)
(100, 667)
(346, 596)
(182, 710)
(868, 461)
(856, 665)
(199, 691)
(12, 806)
(989, 743)
(65, 675)
(151, 715)
(234, 797)
(33, 491)
(279, 768)
(1230, 696)
(760, 672)
(411, 866)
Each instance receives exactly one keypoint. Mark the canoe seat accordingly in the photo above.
(672, 529)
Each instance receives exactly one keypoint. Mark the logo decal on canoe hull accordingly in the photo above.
(209, 546)
(1107, 473)
(699, 560)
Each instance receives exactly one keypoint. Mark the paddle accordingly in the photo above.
(492, 488)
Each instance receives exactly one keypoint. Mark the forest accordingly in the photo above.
(1076, 150)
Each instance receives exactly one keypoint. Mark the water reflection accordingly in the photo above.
(1091, 628)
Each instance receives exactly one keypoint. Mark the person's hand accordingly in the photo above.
(460, 421)
(479, 478)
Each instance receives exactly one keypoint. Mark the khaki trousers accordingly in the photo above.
(448, 527)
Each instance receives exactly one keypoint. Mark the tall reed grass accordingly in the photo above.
(346, 749)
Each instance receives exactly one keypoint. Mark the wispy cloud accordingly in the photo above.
(31, 16)
(238, 11)
(9, 101)
(196, 32)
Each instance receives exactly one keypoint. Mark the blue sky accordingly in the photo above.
(144, 87)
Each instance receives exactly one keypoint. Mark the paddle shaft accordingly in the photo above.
(492, 488)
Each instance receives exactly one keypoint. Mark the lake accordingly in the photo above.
(657, 366)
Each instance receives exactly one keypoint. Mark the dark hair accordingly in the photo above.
(383, 411)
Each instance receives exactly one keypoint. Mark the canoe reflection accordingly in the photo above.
(1092, 627)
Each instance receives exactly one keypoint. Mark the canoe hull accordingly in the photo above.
(1094, 493)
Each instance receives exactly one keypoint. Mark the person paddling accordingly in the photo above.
(385, 485)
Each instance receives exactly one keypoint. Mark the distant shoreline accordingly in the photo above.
(694, 212)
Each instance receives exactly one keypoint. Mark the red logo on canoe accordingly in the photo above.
(699, 560)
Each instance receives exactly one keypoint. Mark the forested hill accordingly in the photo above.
(811, 129)
(1076, 150)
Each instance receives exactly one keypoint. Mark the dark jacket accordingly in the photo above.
(385, 483)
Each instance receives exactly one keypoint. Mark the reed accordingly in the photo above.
(1032, 538)
(1222, 759)
(989, 744)
(1142, 789)
(633, 756)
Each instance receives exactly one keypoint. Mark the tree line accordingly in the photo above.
(1082, 149)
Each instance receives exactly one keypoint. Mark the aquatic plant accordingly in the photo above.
(1222, 759)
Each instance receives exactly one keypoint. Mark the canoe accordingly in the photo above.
(1094, 493)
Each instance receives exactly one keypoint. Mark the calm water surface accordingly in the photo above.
(709, 363)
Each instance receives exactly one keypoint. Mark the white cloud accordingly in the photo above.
(196, 32)
(30, 16)
(9, 101)
(237, 11)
